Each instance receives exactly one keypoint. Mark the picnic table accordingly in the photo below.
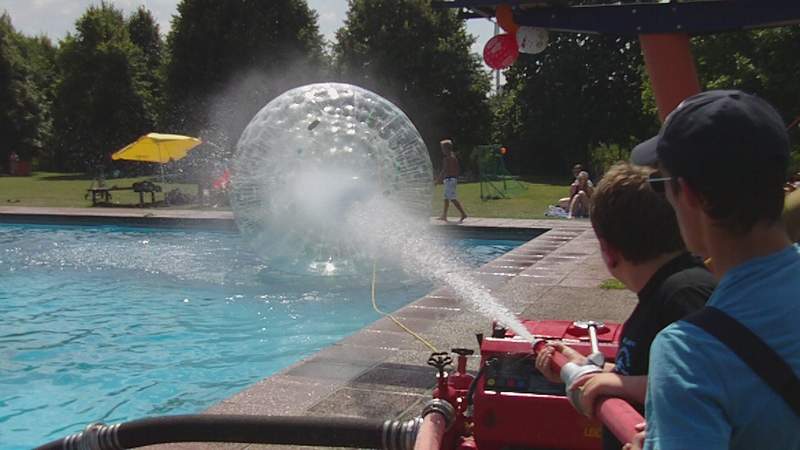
(146, 186)
(103, 193)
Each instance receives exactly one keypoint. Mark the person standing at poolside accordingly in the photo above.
(723, 157)
(449, 176)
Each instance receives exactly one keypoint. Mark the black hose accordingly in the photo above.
(474, 384)
(315, 431)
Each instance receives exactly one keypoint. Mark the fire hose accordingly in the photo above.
(313, 431)
(616, 414)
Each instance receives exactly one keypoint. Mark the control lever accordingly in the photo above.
(596, 357)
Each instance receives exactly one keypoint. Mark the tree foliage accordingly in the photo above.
(763, 62)
(584, 99)
(418, 58)
(23, 100)
(229, 58)
(102, 101)
(144, 33)
(583, 91)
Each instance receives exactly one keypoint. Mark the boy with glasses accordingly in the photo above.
(723, 157)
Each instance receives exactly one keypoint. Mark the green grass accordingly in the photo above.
(612, 283)
(530, 203)
(69, 190)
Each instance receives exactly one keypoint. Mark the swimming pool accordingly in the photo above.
(107, 323)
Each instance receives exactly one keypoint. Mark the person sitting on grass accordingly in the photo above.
(564, 202)
(641, 246)
(580, 196)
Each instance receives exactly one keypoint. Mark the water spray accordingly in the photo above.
(334, 174)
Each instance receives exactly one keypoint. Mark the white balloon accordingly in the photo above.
(532, 40)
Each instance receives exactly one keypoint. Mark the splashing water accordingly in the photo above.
(389, 234)
(333, 176)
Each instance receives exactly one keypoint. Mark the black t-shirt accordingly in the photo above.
(678, 288)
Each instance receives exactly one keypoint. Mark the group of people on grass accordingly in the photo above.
(711, 352)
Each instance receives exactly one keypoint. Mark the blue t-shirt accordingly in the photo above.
(701, 395)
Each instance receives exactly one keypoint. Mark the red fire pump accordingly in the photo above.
(509, 403)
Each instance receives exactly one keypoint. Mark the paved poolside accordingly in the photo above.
(380, 371)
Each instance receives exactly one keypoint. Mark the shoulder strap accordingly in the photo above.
(751, 349)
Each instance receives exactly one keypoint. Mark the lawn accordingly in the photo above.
(528, 203)
(69, 190)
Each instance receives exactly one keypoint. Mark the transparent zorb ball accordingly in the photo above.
(314, 153)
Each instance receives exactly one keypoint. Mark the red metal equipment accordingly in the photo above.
(509, 404)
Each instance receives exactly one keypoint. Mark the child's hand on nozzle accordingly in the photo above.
(545, 357)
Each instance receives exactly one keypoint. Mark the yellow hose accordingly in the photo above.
(399, 324)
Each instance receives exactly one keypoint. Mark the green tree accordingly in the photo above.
(763, 62)
(40, 55)
(419, 59)
(101, 101)
(144, 33)
(20, 112)
(582, 92)
(228, 59)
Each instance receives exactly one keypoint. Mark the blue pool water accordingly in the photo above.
(111, 324)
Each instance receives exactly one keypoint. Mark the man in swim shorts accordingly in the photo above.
(449, 176)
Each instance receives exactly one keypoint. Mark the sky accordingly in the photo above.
(56, 17)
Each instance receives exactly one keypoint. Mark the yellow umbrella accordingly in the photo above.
(158, 148)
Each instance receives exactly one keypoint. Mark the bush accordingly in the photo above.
(606, 155)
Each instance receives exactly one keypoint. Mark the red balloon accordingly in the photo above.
(501, 51)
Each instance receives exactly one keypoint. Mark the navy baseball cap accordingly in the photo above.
(726, 129)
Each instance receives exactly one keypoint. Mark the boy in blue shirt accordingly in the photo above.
(723, 157)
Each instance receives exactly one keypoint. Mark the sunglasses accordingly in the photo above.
(657, 182)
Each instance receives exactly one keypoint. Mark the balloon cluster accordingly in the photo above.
(502, 50)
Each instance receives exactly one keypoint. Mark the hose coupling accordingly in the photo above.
(443, 407)
(96, 436)
(571, 373)
(399, 435)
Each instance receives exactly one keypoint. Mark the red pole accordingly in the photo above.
(670, 65)
(616, 414)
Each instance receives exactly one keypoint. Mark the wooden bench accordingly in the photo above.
(104, 193)
(143, 187)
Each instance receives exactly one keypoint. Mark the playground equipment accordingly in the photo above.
(496, 181)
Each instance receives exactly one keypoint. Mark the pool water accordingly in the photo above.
(111, 324)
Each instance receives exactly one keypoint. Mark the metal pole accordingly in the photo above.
(160, 161)
(496, 72)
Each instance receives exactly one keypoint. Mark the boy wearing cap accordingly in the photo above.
(723, 157)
